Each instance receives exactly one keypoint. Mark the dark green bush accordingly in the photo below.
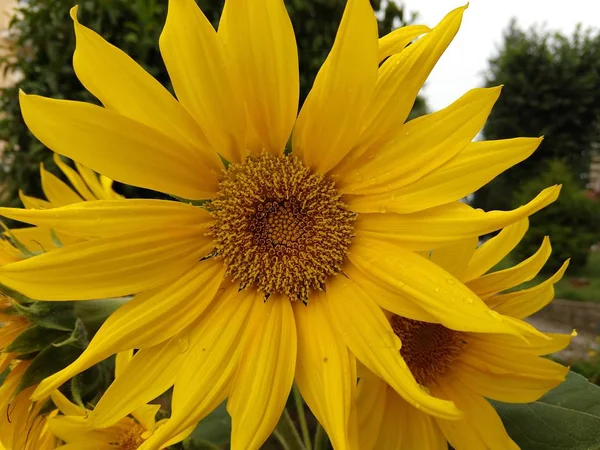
(43, 44)
(571, 222)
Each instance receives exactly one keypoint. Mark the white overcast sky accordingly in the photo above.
(461, 66)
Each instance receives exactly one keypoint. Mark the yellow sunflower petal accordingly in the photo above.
(455, 257)
(501, 280)
(435, 227)
(92, 181)
(108, 267)
(494, 250)
(122, 360)
(151, 372)
(371, 397)
(76, 428)
(264, 378)
(473, 167)
(125, 87)
(57, 191)
(65, 405)
(74, 177)
(146, 416)
(395, 41)
(399, 80)
(535, 345)
(481, 427)
(523, 303)
(87, 445)
(509, 387)
(10, 383)
(37, 239)
(141, 323)
(434, 289)
(33, 203)
(117, 146)
(259, 40)
(326, 370)
(479, 353)
(105, 218)
(403, 427)
(203, 77)
(204, 380)
(109, 193)
(421, 146)
(371, 339)
(330, 119)
(388, 297)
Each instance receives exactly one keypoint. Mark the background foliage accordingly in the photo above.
(43, 45)
(551, 89)
(571, 222)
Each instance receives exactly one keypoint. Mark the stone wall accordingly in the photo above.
(583, 316)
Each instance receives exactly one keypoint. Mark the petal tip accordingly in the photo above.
(73, 13)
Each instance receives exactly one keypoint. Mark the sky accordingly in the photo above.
(462, 65)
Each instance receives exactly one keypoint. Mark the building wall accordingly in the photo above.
(6, 12)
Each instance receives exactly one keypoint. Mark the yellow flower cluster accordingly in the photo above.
(349, 266)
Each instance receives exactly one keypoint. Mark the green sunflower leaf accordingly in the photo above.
(212, 433)
(566, 418)
(48, 362)
(53, 315)
(34, 339)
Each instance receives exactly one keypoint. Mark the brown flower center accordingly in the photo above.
(428, 348)
(131, 438)
(279, 227)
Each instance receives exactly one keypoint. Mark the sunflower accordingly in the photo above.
(11, 324)
(74, 429)
(23, 426)
(274, 269)
(87, 186)
(468, 367)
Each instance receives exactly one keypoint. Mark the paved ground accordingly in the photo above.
(584, 346)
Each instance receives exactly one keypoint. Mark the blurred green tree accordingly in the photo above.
(550, 88)
(42, 44)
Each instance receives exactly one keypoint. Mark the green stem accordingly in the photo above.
(321, 439)
(301, 416)
(286, 433)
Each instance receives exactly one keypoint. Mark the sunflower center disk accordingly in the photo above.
(428, 348)
(131, 438)
(279, 227)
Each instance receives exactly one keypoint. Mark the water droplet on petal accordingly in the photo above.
(183, 343)
(451, 281)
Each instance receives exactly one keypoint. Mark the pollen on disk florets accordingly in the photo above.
(427, 348)
(280, 227)
(130, 438)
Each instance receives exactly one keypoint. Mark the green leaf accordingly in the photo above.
(53, 315)
(211, 433)
(34, 339)
(49, 361)
(567, 418)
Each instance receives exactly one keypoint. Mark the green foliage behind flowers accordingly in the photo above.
(43, 43)
(571, 222)
(551, 89)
